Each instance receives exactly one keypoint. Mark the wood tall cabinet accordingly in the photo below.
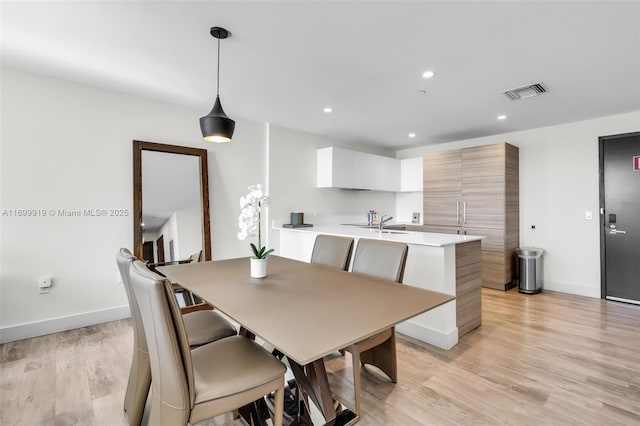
(475, 191)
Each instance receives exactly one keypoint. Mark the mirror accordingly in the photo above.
(170, 203)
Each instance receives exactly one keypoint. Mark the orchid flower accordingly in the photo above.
(249, 221)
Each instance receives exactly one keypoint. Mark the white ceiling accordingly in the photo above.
(286, 61)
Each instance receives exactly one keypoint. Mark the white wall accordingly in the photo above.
(69, 146)
(169, 232)
(558, 182)
(292, 182)
(189, 224)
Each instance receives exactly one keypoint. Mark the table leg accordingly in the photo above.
(255, 413)
(246, 333)
(313, 384)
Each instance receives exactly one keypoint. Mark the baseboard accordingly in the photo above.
(433, 337)
(578, 290)
(500, 286)
(55, 325)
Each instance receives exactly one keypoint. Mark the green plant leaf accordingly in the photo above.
(264, 255)
(255, 251)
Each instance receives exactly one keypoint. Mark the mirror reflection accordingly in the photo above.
(171, 203)
(171, 208)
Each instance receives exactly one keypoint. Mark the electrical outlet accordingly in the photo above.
(588, 215)
(44, 283)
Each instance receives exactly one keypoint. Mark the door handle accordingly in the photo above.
(458, 212)
(464, 213)
(617, 231)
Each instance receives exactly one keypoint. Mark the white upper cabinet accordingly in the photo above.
(411, 175)
(335, 168)
(344, 168)
(387, 173)
(364, 170)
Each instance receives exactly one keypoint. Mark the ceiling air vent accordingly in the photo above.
(526, 91)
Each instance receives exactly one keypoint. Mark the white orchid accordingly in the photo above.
(250, 217)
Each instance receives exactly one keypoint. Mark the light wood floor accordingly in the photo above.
(548, 359)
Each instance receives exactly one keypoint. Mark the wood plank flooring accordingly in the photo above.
(548, 359)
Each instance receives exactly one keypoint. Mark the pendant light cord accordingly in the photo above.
(218, 80)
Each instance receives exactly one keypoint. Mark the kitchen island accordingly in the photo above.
(440, 262)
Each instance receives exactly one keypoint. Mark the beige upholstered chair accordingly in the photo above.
(191, 301)
(190, 386)
(140, 372)
(332, 251)
(381, 259)
(196, 257)
(202, 327)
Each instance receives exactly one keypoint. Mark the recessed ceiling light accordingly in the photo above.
(412, 135)
(428, 74)
(328, 110)
(502, 117)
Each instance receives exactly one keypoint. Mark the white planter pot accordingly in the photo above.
(258, 268)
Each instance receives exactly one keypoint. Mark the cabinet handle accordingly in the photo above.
(464, 212)
(457, 212)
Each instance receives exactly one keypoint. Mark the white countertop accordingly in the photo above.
(407, 237)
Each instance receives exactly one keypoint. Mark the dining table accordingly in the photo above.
(305, 311)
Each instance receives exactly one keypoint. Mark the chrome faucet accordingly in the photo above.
(383, 221)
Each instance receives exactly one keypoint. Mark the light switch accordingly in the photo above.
(588, 215)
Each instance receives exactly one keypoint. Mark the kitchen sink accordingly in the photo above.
(389, 227)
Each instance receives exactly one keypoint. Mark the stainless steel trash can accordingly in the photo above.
(530, 266)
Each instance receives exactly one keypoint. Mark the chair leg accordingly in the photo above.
(279, 406)
(137, 387)
(355, 360)
(383, 356)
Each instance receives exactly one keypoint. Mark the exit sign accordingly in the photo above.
(636, 163)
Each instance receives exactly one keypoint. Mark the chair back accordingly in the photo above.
(124, 258)
(333, 251)
(380, 259)
(196, 257)
(170, 357)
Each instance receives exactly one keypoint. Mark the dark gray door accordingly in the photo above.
(620, 221)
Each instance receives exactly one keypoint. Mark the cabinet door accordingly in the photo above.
(442, 187)
(411, 174)
(483, 186)
(364, 170)
(493, 256)
(334, 168)
(387, 174)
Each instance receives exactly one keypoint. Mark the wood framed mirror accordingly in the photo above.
(171, 220)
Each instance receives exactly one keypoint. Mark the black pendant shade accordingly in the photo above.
(216, 126)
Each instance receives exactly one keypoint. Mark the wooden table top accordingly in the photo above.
(306, 311)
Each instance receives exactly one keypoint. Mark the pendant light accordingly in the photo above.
(216, 126)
